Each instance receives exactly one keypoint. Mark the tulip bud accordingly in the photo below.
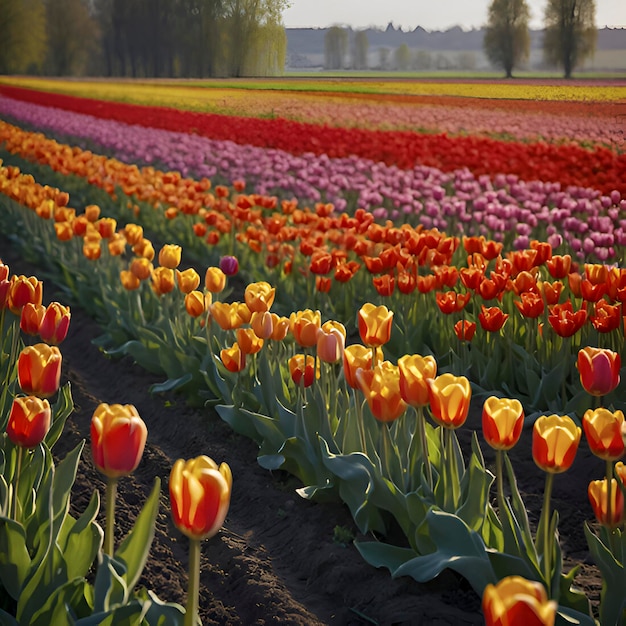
(599, 370)
(555, 442)
(215, 280)
(39, 370)
(29, 421)
(449, 398)
(515, 599)
(229, 265)
(118, 438)
(375, 323)
(603, 430)
(170, 255)
(503, 420)
(598, 497)
(55, 323)
(200, 496)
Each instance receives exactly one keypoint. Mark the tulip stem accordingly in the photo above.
(359, 421)
(609, 493)
(500, 482)
(193, 589)
(18, 471)
(544, 526)
(111, 493)
(421, 429)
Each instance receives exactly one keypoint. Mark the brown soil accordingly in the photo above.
(276, 560)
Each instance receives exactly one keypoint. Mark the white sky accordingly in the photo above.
(431, 15)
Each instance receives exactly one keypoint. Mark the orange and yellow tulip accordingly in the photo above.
(29, 421)
(603, 430)
(381, 388)
(375, 324)
(415, 372)
(118, 438)
(233, 358)
(214, 280)
(304, 326)
(555, 442)
(599, 370)
(355, 357)
(55, 323)
(129, 281)
(598, 492)
(302, 369)
(200, 496)
(22, 290)
(515, 601)
(163, 280)
(196, 303)
(449, 398)
(249, 342)
(39, 370)
(30, 318)
(259, 296)
(170, 255)
(141, 267)
(187, 280)
(503, 420)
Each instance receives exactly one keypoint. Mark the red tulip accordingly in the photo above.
(29, 421)
(39, 370)
(599, 370)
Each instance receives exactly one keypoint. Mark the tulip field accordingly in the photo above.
(384, 287)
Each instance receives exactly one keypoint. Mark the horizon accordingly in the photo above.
(407, 16)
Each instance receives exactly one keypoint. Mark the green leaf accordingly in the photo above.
(171, 384)
(71, 598)
(110, 588)
(133, 551)
(458, 548)
(14, 558)
(62, 409)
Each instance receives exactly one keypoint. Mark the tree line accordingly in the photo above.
(569, 37)
(143, 38)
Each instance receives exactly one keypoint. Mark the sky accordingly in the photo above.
(437, 15)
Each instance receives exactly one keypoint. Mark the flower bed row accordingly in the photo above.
(600, 169)
(506, 209)
(366, 447)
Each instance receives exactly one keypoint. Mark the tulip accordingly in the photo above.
(30, 318)
(451, 301)
(531, 304)
(29, 421)
(415, 372)
(608, 512)
(187, 280)
(263, 324)
(233, 358)
(129, 281)
(502, 420)
(92, 249)
(449, 398)
(559, 266)
(22, 290)
(117, 244)
(465, 330)
(106, 227)
(145, 249)
(141, 267)
(355, 357)
(620, 472)
(92, 212)
(249, 342)
(196, 303)
(229, 265)
(603, 430)
(280, 327)
(515, 601)
(304, 326)
(555, 443)
(564, 320)
(163, 280)
(227, 316)
(133, 233)
(215, 280)
(607, 318)
(39, 370)
(170, 255)
(375, 323)
(492, 318)
(599, 370)
(331, 338)
(259, 296)
(302, 369)
(118, 438)
(55, 323)
(381, 388)
(200, 497)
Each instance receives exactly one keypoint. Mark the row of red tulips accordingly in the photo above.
(599, 169)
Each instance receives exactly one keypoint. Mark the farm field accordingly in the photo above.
(233, 253)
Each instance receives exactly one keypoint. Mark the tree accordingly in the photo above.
(360, 47)
(506, 41)
(570, 34)
(402, 57)
(23, 36)
(335, 47)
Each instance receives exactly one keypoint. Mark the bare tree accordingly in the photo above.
(570, 34)
(507, 42)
